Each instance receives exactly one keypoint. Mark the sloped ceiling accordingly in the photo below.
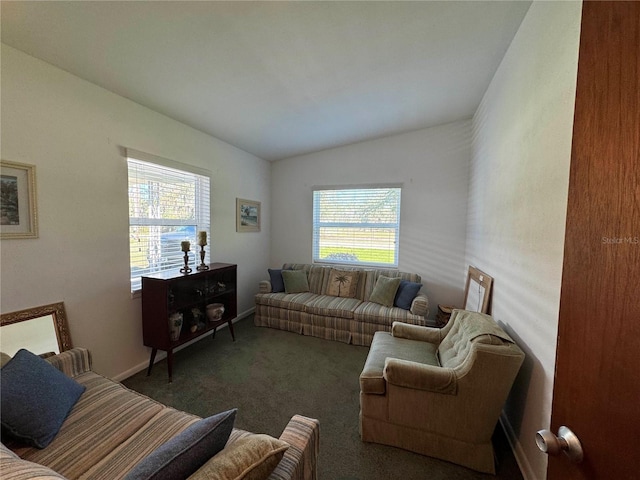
(278, 79)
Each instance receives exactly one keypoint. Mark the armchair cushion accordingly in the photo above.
(420, 376)
(384, 346)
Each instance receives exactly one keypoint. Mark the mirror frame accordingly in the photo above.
(56, 310)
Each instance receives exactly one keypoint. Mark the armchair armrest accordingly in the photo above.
(264, 286)
(416, 332)
(72, 362)
(300, 461)
(420, 305)
(420, 376)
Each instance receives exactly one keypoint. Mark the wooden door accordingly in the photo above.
(597, 381)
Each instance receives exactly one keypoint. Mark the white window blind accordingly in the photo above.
(166, 206)
(359, 226)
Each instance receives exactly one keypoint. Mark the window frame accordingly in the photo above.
(202, 208)
(316, 224)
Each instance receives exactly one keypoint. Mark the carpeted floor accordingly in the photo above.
(270, 375)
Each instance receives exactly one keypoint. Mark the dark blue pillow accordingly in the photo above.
(185, 453)
(407, 291)
(277, 283)
(35, 398)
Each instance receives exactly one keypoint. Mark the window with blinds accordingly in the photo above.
(166, 206)
(359, 226)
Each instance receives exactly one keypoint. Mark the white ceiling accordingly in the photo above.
(278, 79)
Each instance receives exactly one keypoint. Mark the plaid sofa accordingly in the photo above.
(111, 428)
(348, 320)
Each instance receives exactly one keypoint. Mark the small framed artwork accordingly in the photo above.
(18, 210)
(247, 215)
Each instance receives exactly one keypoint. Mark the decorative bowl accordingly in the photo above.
(215, 311)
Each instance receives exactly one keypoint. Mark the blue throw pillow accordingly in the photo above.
(277, 283)
(185, 453)
(35, 398)
(407, 291)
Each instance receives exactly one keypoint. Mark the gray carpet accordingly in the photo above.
(270, 375)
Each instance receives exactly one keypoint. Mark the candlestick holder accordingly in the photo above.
(186, 268)
(202, 265)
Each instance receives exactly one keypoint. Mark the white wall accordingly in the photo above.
(433, 167)
(517, 204)
(71, 130)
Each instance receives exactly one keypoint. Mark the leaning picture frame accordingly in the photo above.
(18, 207)
(247, 215)
(477, 292)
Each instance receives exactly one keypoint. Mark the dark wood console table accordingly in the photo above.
(166, 293)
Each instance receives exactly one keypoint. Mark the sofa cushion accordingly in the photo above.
(277, 284)
(185, 453)
(13, 467)
(343, 283)
(295, 281)
(407, 291)
(88, 435)
(35, 398)
(370, 312)
(288, 301)
(384, 345)
(385, 290)
(332, 306)
(252, 457)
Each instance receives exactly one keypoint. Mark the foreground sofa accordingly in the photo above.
(111, 428)
(439, 392)
(350, 320)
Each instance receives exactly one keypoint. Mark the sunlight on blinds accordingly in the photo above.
(166, 206)
(356, 226)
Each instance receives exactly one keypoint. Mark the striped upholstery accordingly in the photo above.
(348, 320)
(379, 314)
(111, 428)
(88, 435)
(332, 306)
(13, 467)
(290, 301)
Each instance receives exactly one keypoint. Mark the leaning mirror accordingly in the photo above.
(42, 330)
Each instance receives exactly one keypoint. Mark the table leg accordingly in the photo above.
(151, 360)
(230, 323)
(170, 364)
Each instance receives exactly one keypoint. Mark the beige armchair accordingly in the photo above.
(439, 392)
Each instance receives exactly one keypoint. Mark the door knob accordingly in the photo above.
(566, 442)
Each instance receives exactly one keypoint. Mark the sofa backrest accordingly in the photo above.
(318, 277)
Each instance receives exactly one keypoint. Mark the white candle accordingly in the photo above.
(185, 245)
(202, 238)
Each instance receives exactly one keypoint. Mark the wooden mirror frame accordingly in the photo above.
(56, 310)
(484, 281)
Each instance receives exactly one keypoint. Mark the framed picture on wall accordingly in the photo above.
(247, 215)
(18, 210)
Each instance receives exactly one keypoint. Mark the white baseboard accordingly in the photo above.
(516, 448)
(162, 355)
